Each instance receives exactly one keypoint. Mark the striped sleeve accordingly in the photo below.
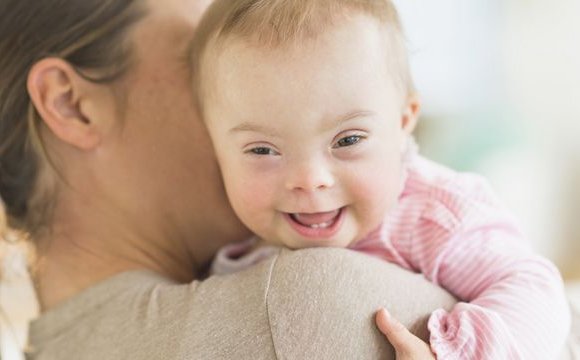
(450, 228)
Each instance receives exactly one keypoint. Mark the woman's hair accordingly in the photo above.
(91, 36)
(275, 23)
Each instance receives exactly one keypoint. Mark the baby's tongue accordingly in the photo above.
(317, 218)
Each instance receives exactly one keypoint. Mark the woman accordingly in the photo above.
(104, 162)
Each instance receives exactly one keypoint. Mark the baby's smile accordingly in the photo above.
(320, 220)
(317, 225)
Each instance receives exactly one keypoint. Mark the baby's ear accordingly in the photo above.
(410, 114)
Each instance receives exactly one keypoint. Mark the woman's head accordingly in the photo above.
(97, 125)
(90, 36)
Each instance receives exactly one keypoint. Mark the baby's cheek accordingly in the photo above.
(377, 195)
(252, 202)
(246, 195)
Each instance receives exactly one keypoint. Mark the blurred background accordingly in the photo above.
(500, 84)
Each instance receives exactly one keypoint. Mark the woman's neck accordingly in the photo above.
(83, 251)
(90, 241)
(74, 258)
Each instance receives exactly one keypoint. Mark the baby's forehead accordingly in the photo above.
(234, 53)
(269, 39)
(291, 31)
(254, 82)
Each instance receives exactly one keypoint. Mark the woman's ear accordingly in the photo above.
(66, 102)
(410, 115)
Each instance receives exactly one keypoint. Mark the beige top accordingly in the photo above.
(307, 304)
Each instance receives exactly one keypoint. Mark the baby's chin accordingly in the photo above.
(297, 243)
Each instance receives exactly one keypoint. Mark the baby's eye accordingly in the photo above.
(348, 141)
(262, 150)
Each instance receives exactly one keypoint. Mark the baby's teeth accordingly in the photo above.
(323, 225)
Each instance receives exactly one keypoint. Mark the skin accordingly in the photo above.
(356, 121)
(407, 346)
(285, 167)
(145, 192)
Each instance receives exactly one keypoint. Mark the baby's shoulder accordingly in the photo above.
(444, 184)
(449, 198)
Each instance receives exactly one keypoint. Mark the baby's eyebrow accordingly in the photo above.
(249, 127)
(354, 115)
(333, 121)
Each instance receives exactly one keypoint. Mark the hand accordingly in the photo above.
(407, 346)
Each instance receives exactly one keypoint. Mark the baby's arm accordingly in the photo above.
(515, 306)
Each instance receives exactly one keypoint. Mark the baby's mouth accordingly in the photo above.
(321, 220)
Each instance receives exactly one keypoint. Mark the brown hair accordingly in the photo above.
(281, 22)
(91, 36)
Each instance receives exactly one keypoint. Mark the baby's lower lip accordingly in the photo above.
(328, 225)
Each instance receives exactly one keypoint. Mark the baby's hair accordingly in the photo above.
(276, 23)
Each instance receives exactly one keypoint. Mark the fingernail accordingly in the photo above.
(386, 313)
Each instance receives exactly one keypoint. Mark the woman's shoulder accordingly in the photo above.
(142, 315)
(332, 295)
(315, 303)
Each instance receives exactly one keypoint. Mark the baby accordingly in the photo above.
(311, 107)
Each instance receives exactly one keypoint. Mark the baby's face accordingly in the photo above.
(309, 139)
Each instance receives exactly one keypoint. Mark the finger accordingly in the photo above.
(397, 334)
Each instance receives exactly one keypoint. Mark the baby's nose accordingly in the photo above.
(309, 177)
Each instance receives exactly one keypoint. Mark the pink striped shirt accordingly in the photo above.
(450, 227)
